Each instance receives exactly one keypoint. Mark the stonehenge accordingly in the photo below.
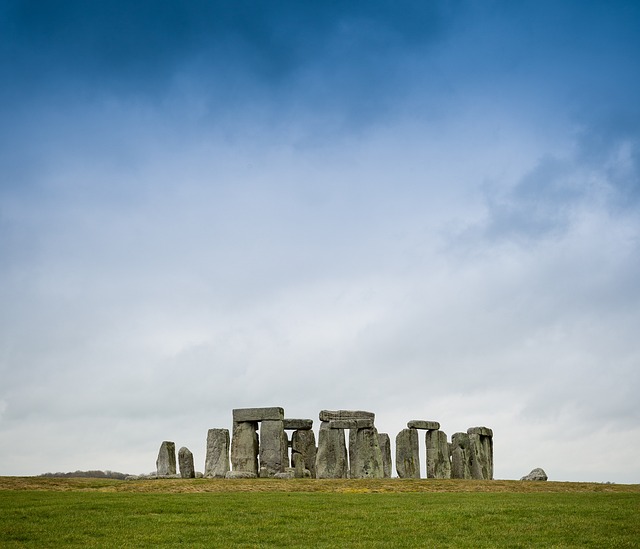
(259, 446)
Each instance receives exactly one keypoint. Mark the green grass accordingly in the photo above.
(112, 514)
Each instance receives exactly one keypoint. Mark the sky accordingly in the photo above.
(428, 210)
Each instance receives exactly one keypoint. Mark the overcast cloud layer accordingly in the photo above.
(429, 210)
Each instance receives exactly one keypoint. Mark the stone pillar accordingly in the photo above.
(273, 447)
(460, 456)
(438, 464)
(166, 462)
(331, 458)
(385, 449)
(244, 447)
(408, 454)
(367, 457)
(481, 452)
(185, 461)
(303, 450)
(217, 461)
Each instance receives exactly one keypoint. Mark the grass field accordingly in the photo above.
(37, 512)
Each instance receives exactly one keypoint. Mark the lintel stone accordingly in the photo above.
(295, 424)
(351, 424)
(331, 415)
(423, 424)
(483, 431)
(258, 414)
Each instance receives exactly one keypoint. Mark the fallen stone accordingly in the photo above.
(244, 447)
(423, 424)
(166, 462)
(330, 415)
(385, 449)
(298, 424)
(536, 474)
(217, 460)
(331, 457)
(273, 446)
(286, 474)
(199, 474)
(240, 474)
(303, 450)
(438, 463)
(351, 424)
(407, 454)
(258, 414)
(484, 431)
(367, 457)
(185, 462)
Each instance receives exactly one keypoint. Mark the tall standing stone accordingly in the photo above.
(460, 456)
(273, 446)
(385, 449)
(303, 450)
(438, 463)
(217, 460)
(244, 447)
(408, 454)
(367, 457)
(185, 461)
(481, 452)
(166, 462)
(331, 458)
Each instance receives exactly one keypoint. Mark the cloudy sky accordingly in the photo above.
(429, 210)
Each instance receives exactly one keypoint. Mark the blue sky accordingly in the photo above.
(430, 210)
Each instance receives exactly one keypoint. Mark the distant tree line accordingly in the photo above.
(87, 474)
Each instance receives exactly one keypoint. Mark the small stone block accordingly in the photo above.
(423, 424)
(295, 424)
(331, 415)
(239, 474)
(258, 414)
(483, 431)
(351, 424)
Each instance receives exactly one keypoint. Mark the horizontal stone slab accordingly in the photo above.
(258, 414)
(484, 431)
(295, 424)
(351, 424)
(331, 415)
(240, 474)
(423, 424)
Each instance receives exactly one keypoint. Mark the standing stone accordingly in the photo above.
(481, 452)
(438, 464)
(303, 451)
(385, 449)
(217, 461)
(185, 461)
(331, 458)
(244, 447)
(460, 456)
(408, 454)
(166, 462)
(367, 457)
(273, 447)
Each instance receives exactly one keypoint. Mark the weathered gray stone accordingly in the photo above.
(385, 449)
(460, 456)
(367, 457)
(484, 431)
(199, 474)
(331, 458)
(408, 454)
(298, 424)
(166, 462)
(331, 415)
(303, 450)
(244, 447)
(217, 460)
(273, 446)
(536, 474)
(438, 464)
(185, 461)
(481, 456)
(423, 424)
(285, 474)
(240, 474)
(258, 414)
(351, 424)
